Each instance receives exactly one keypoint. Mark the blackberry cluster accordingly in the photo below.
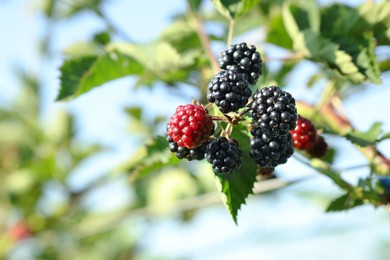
(274, 111)
(229, 91)
(224, 155)
(269, 150)
(185, 153)
(243, 59)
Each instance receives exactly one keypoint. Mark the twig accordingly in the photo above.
(341, 126)
(205, 41)
(231, 32)
(111, 26)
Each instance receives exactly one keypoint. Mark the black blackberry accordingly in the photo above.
(274, 111)
(268, 150)
(224, 155)
(185, 153)
(229, 91)
(243, 59)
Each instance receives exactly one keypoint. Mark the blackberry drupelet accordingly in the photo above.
(268, 150)
(243, 59)
(319, 149)
(274, 111)
(304, 135)
(190, 126)
(229, 91)
(224, 155)
(185, 153)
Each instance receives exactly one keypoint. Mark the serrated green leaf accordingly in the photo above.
(236, 187)
(233, 9)
(80, 75)
(366, 138)
(72, 72)
(343, 202)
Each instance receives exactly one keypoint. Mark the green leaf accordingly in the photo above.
(343, 202)
(194, 4)
(233, 9)
(236, 187)
(72, 72)
(80, 75)
(367, 138)
(153, 158)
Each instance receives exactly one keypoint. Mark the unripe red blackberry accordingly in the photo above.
(229, 91)
(243, 59)
(224, 155)
(185, 153)
(274, 111)
(319, 149)
(268, 150)
(190, 126)
(304, 135)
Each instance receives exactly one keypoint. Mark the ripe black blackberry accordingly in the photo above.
(224, 155)
(274, 111)
(268, 150)
(243, 59)
(229, 91)
(185, 153)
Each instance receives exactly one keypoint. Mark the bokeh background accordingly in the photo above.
(287, 223)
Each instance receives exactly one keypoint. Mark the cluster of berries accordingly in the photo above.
(273, 113)
(305, 138)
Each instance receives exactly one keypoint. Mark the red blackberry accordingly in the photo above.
(224, 155)
(229, 91)
(185, 153)
(190, 126)
(319, 149)
(243, 59)
(274, 111)
(268, 150)
(304, 135)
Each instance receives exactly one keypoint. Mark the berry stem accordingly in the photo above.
(232, 24)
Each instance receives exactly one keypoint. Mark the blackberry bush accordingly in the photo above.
(268, 150)
(274, 111)
(243, 59)
(304, 135)
(229, 91)
(224, 155)
(190, 126)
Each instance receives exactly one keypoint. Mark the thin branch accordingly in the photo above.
(341, 126)
(205, 41)
(112, 27)
(292, 57)
(232, 24)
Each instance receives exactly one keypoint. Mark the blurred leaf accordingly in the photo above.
(82, 50)
(236, 186)
(367, 138)
(377, 16)
(313, 80)
(102, 38)
(233, 9)
(157, 156)
(80, 75)
(135, 112)
(343, 202)
(277, 33)
(194, 4)
(72, 72)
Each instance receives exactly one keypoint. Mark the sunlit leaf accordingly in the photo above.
(236, 187)
(366, 138)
